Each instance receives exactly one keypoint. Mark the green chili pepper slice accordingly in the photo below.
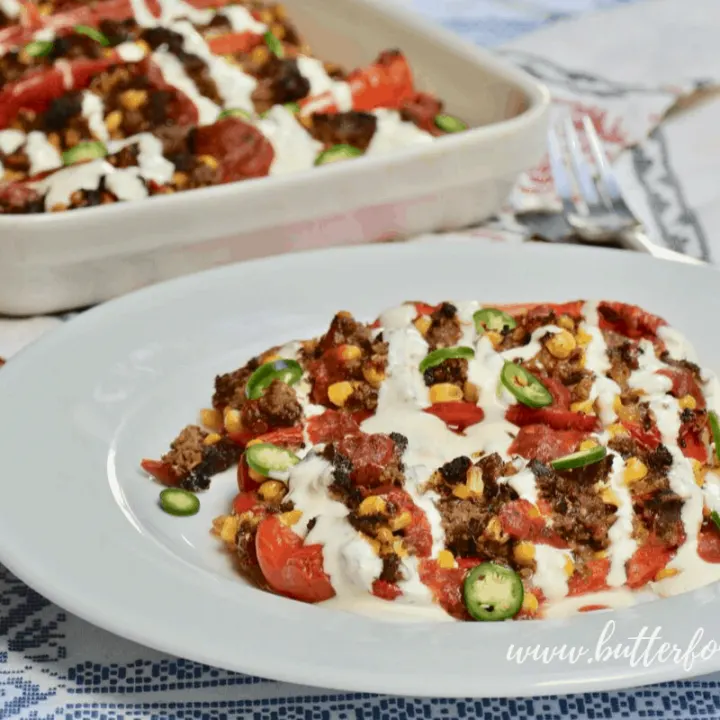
(287, 371)
(493, 319)
(715, 430)
(84, 151)
(235, 112)
(493, 592)
(292, 107)
(449, 123)
(436, 357)
(268, 459)
(274, 45)
(580, 459)
(93, 34)
(337, 153)
(38, 48)
(179, 502)
(715, 517)
(525, 386)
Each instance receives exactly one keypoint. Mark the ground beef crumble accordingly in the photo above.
(194, 462)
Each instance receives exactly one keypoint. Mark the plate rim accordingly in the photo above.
(336, 678)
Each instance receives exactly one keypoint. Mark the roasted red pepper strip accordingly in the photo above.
(160, 471)
(539, 442)
(37, 89)
(629, 320)
(554, 418)
(234, 43)
(457, 415)
(93, 13)
(386, 83)
(647, 562)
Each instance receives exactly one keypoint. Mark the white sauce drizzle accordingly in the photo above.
(393, 132)
(11, 141)
(11, 8)
(130, 52)
(93, 110)
(43, 155)
(234, 86)
(320, 83)
(295, 149)
(142, 14)
(241, 20)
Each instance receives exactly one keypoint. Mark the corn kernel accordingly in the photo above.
(533, 511)
(666, 573)
(474, 480)
(422, 324)
(260, 55)
(582, 337)
(494, 528)
(609, 497)
(461, 491)
(494, 337)
(229, 528)
(385, 536)
(339, 393)
(399, 548)
(373, 376)
(471, 392)
(256, 476)
(524, 553)
(566, 322)
(446, 560)
(212, 438)
(587, 445)
(350, 352)
(290, 518)
(445, 392)
(698, 471)
(617, 429)
(133, 99)
(600, 554)
(687, 402)
(113, 120)
(208, 160)
(211, 419)
(587, 407)
(254, 441)
(530, 603)
(270, 357)
(401, 521)
(569, 567)
(271, 489)
(372, 505)
(233, 422)
(635, 469)
(561, 345)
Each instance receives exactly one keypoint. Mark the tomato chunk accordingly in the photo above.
(649, 439)
(234, 43)
(540, 442)
(291, 568)
(457, 415)
(647, 562)
(446, 586)
(683, 384)
(161, 471)
(592, 579)
(709, 543)
(369, 455)
(241, 149)
(332, 425)
(247, 501)
(386, 590)
(418, 535)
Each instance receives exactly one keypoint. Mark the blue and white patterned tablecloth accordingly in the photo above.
(54, 665)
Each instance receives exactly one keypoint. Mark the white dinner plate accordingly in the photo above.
(80, 523)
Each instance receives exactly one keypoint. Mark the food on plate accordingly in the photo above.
(482, 462)
(116, 100)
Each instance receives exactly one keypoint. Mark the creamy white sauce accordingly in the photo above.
(348, 559)
(174, 9)
(234, 86)
(295, 149)
(11, 141)
(93, 111)
(677, 344)
(622, 545)
(142, 14)
(62, 184)
(43, 155)
(151, 162)
(11, 8)
(314, 71)
(174, 74)
(130, 52)
(393, 132)
(63, 67)
(241, 20)
(550, 575)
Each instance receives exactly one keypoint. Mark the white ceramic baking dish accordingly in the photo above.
(66, 260)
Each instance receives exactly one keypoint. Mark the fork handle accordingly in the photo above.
(636, 239)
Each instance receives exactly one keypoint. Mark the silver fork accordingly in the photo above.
(602, 214)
